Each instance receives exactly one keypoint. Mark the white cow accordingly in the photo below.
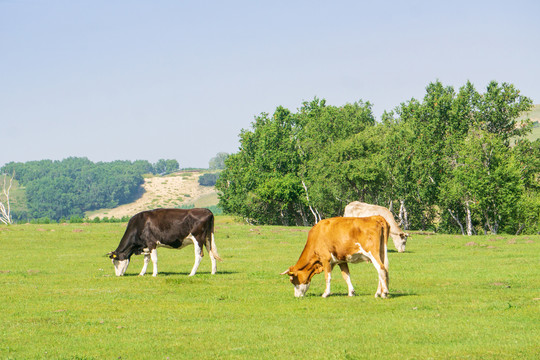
(360, 209)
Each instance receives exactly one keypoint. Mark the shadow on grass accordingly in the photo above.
(390, 296)
(395, 251)
(172, 273)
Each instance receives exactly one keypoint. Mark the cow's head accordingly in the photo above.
(120, 263)
(400, 240)
(300, 279)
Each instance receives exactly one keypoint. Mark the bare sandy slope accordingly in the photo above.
(162, 192)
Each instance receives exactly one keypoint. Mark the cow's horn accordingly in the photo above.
(286, 272)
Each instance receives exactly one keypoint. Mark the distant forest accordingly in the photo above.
(68, 188)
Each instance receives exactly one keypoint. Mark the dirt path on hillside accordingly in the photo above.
(161, 192)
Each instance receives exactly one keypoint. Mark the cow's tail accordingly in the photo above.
(386, 234)
(383, 250)
(211, 243)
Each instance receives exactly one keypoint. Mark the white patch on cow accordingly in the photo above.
(146, 261)
(350, 287)
(120, 266)
(198, 255)
(358, 257)
(153, 256)
(212, 257)
(301, 289)
(363, 255)
(382, 290)
(328, 280)
(159, 244)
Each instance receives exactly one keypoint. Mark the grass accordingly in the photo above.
(207, 200)
(449, 299)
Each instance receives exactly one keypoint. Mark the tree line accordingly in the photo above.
(68, 188)
(455, 162)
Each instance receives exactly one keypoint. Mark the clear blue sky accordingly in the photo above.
(128, 80)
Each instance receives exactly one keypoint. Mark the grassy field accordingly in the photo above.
(450, 298)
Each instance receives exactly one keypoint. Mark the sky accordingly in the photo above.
(167, 79)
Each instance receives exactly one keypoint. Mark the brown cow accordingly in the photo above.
(340, 241)
(171, 228)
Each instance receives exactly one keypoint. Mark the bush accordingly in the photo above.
(208, 179)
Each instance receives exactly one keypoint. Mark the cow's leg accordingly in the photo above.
(382, 289)
(347, 277)
(145, 265)
(212, 257)
(198, 255)
(328, 276)
(153, 256)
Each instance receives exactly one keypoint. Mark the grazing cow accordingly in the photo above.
(340, 241)
(360, 209)
(171, 228)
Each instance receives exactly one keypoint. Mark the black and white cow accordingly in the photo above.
(171, 228)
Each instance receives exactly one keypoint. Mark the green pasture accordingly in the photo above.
(450, 298)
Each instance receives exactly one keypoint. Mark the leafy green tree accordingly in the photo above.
(218, 161)
(208, 179)
(486, 180)
(166, 166)
(267, 159)
(69, 188)
(499, 109)
(319, 127)
(528, 215)
(348, 170)
(446, 160)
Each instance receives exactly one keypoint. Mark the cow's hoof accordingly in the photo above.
(352, 294)
(325, 295)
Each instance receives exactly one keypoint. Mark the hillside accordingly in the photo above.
(181, 188)
(534, 115)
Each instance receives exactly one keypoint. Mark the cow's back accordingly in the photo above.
(171, 224)
(341, 234)
(360, 209)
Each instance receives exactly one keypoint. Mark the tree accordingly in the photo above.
(500, 107)
(275, 177)
(164, 167)
(68, 188)
(218, 161)
(528, 214)
(318, 127)
(5, 208)
(448, 161)
(208, 179)
(267, 157)
(485, 182)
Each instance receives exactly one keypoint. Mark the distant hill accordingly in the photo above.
(534, 115)
(175, 190)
